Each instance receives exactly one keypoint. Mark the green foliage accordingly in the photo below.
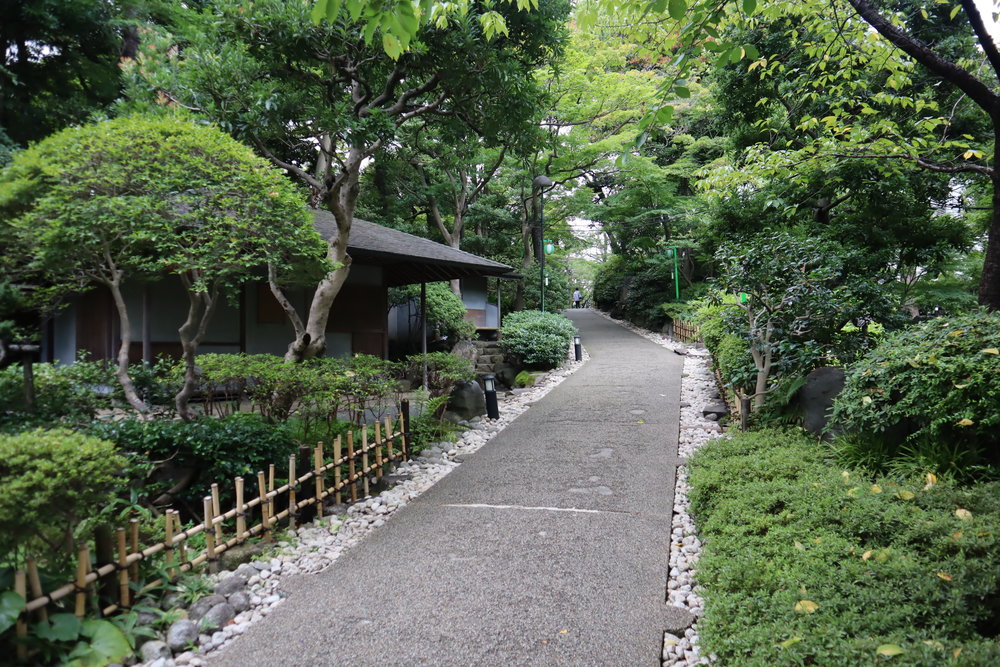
(218, 449)
(51, 479)
(66, 640)
(558, 291)
(444, 371)
(930, 393)
(427, 427)
(445, 310)
(535, 339)
(911, 564)
(524, 379)
(68, 395)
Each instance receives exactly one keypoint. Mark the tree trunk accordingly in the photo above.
(201, 307)
(125, 334)
(989, 283)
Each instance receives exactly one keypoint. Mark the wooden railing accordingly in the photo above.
(350, 466)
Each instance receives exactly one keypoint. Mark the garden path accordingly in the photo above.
(548, 546)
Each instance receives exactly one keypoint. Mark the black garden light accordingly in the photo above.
(577, 350)
(490, 388)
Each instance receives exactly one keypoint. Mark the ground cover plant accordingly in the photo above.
(807, 563)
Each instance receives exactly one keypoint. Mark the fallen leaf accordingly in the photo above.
(945, 576)
(564, 631)
(982, 533)
(866, 555)
(963, 514)
(957, 652)
(798, 545)
(933, 644)
(964, 422)
(991, 350)
(960, 386)
(906, 495)
(957, 332)
(806, 607)
(866, 400)
(876, 489)
(931, 479)
(882, 555)
(957, 535)
(846, 476)
(852, 492)
(817, 540)
(889, 650)
(791, 641)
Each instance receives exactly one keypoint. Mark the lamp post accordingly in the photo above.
(577, 351)
(539, 182)
(490, 390)
(674, 253)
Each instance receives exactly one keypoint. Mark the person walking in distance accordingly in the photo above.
(576, 297)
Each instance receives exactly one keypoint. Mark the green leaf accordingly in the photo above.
(318, 11)
(682, 91)
(749, 7)
(657, 6)
(59, 627)
(954, 11)
(677, 9)
(11, 606)
(751, 51)
(106, 639)
(889, 650)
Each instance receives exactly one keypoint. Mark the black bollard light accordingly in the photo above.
(577, 350)
(490, 387)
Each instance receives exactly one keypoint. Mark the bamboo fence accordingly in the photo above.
(258, 516)
(686, 332)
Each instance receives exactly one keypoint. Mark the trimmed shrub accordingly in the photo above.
(932, 392)
(535, 339)
(805, 563)
(50, 480)
(444, 371)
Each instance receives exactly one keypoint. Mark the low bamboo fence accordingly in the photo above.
(686, 332)
(345, 476)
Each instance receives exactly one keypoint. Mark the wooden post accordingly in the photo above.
(378, 451)
(182, 545)
(241, 519)
(82, 569)
(168, 520)
(104, 554)
(351, 468)
(265, 509)
(216, 511)
(270, 479)
(21, 628)
(36, 587)
(133, 570)
(364, 459)
(404, 424)
(744, 413)
(213, 567)
(338, 451)
(123, 595)
(388, 440)
(292, 505)
(317, 464)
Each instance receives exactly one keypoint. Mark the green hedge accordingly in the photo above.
(889, 566)
(535, 339)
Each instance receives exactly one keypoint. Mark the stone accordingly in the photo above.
(505, 374)
(467, 400)
(681, 350)
(815, 398)
(218, 616)
(182, 634)
(230, 559)
(231, 584)
(717, 409)
(155, 649)
(171, 600)
(239, 601)
(246, 570)
(202, 606)
(678, 621)
(466, 350)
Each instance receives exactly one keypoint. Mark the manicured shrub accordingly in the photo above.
(444, 371)
(932, 393)
(50, 480)
(889, 566)
(218, 449)
(535, 339)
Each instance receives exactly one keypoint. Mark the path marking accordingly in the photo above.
(525, 507)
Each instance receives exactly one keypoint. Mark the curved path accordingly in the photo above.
(548, 546)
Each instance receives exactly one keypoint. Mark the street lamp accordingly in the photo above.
(541, 181)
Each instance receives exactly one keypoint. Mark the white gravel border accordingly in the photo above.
(315, 546)
(697, 386)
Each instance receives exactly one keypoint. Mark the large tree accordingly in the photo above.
(320, 100)
(135, 199)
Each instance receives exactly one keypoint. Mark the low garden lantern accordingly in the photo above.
(577, 350)
(490, 389)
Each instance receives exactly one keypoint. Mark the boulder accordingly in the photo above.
(230, 585)
(467, 400)
(466, 350)
(202, 606)
(239, 601)
(218, 616)
(505, 374)
(154, 650)
(816, 397)
(182, 634)
(717, 410)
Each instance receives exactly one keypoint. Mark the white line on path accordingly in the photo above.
(524, 507)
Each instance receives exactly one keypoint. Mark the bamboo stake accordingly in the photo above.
(378, 451)
(168, 520)
(209, 535)
(82, 567)
(317, 464)
(292, 508)
(21, 629)
(123, 597)
(241, 521)
(364, 458)
(265, 519)
(388, 438)
(404, 419)
(180, 536)
(270, 480)
(337, 454)
(133, 527)
(351, 466)
(216, 511)
(36, 587)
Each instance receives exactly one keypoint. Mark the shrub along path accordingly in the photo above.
(548, 546)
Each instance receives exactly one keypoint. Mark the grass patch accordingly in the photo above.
(807, 563)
